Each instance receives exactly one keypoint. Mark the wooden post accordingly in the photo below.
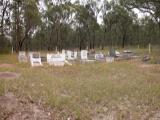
(87, 48)
(149, 48)
(12, 49)
(56, 48)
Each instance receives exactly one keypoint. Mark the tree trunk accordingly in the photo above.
(2, 21)
(94, 38)
(123, 39)
(18, 33)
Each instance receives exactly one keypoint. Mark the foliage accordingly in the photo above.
(51, 25)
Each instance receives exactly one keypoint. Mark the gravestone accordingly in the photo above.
(22, 56)
(99, 57)
(70, 55)
(56, 59)
(75, 54)
(109, 59)
(112, 52)
(35, 59)
(84, 55)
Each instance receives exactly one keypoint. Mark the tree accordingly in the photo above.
(4, 21)
(25, 18)
(121, 19)
(147, 6)
(58, 16)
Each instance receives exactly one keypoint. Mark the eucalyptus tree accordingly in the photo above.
(81, 25)
(58, 16)
(4, 14)
(94, 9)
(26, 17)
(118, 21)
(4, 21)
(147, 6)
(86, 23)
(105, 8)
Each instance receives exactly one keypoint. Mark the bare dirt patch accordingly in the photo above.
(12, 108)
(146, 66)
(143, 65)
(10, 75)
(7, 65)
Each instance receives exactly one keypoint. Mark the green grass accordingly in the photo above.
(87, 90)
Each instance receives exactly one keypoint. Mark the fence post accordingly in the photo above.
(149, 48)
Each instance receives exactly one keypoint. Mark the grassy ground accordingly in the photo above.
(122, 90)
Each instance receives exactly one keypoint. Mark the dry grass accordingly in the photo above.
(122, 90)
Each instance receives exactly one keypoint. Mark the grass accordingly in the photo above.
(85, 91)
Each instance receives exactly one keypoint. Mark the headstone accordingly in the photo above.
(75, 54)
(35, 59)
(22, 56)
(146, 58)
(70, 55)
(117, 53)
(56, 59)
(109, 59)
(99, 56)
(112, 53)
(63, 51)
(64, 54)
(84, 55)
(127, 51)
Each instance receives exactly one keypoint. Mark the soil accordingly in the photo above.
(7, 65)
(12, 108)
(10, 75)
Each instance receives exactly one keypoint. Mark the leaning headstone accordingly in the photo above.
(84, 55)
(22, 56)
(146, 58)
(35, 59)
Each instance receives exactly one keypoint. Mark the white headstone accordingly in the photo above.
(117, 53)
(84, 55)
(63, 51)
(109, 59)
(75, 54)
(99, 56)
(22, 56)
(70, 55)
(35, 59)
(56, 59)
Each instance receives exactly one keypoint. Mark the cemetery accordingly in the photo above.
(66, 57)
(79, 59)
(55, 83)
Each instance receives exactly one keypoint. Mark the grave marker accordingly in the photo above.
(84, 55)
(35, 59)
(22, 56)
(56, 59)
